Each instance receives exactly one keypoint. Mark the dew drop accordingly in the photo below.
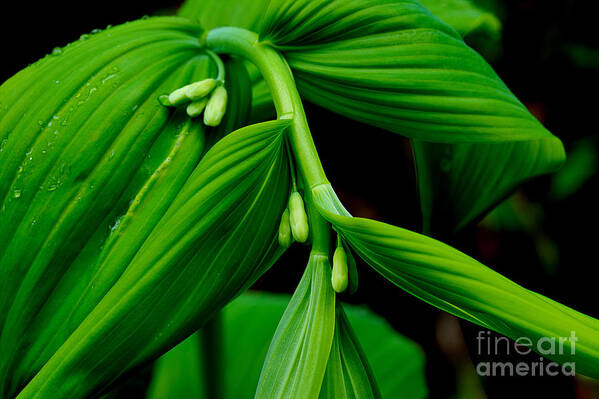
(116, 224)
(107, 78)
(16, 193)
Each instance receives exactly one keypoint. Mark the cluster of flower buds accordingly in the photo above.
(208, 96)
(294, 222)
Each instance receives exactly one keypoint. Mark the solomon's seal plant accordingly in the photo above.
(145, 184)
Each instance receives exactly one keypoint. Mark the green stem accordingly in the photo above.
(220, 67)
(279, 79)
(319, 227)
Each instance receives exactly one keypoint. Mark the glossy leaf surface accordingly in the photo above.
(394, 65)
(77, 128)
(348, 373)
(106, 214)
(296, 360)
(458, 284)
(193, 262)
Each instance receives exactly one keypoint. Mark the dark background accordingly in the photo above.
(373, 172)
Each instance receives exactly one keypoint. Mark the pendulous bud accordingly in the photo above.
(217, 105)
(285, 237)
(339, 278)
(298, 218)
(201, 89)
(195, 108)
(178, 96)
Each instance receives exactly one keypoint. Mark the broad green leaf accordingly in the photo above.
(164, 170)
(297, 357)
(249, 323)
(78, 129)
(348, 373)
(458, 284)
(202, 252)
(393, 65)
(89, 220)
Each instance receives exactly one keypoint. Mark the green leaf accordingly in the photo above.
(202, 252)
(297, 357)
(249, 323)
(78, 129)
(106, 212)
(395, 66)
(348, 373)
(458, 284)
(177, 374)
(460, 182)
(214, 13)
(396, 362)
(480, 28)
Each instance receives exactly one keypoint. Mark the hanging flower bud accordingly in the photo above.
(217, 105)
(285, 230)
(178, 96)
(339, 278)
(195, 108)
(298, 218)
(201, 89)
